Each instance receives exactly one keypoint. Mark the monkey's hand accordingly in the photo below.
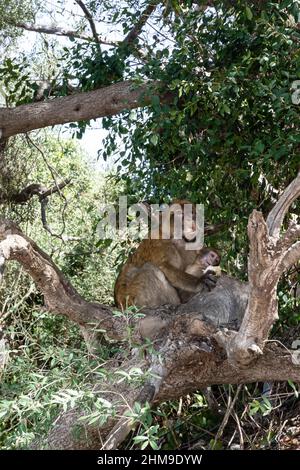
(216, 270)
(210, 276)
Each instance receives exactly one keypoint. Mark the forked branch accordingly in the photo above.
(270, 255)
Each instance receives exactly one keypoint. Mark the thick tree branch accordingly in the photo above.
(106, 101)
(291, 257)
(277, 214)
(34, 189)
(187, 365)
(59, 295)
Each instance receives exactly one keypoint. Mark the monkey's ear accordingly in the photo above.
(212, 229)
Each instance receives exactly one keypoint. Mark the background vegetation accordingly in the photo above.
(225, 134)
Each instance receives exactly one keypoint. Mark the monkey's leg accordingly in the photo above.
(150, 288)
(180, 279)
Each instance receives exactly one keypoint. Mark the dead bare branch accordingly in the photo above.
(270, 255)
(34, 189)
(59, 295)
(277, 214)
(291, 257)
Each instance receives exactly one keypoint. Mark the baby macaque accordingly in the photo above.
(205, 267)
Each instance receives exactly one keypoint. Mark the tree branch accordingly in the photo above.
(90, 20)
(61, 31)
(106, 101)
(291, 257)
(59, 295)
(34, 189)
(270, 255)
(136, 30)
(277, 214)
(187, 365)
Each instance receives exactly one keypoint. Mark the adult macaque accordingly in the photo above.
(156, 273)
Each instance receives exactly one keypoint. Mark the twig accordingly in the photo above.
(228, 412)
(240, 431)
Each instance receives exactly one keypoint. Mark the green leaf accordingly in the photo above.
(154, 139)
(144, 445)
(138, 439)
(249, 13)
(155, 101)
(154, 445)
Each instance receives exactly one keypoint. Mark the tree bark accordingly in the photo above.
(102, 102)
(271, 254)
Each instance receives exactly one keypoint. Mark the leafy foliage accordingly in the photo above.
(12, 11)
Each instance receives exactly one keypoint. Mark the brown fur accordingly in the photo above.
(153, 275)
(203, 267)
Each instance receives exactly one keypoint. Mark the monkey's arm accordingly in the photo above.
(179, 279)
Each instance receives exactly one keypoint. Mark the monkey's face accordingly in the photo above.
(209, 257)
